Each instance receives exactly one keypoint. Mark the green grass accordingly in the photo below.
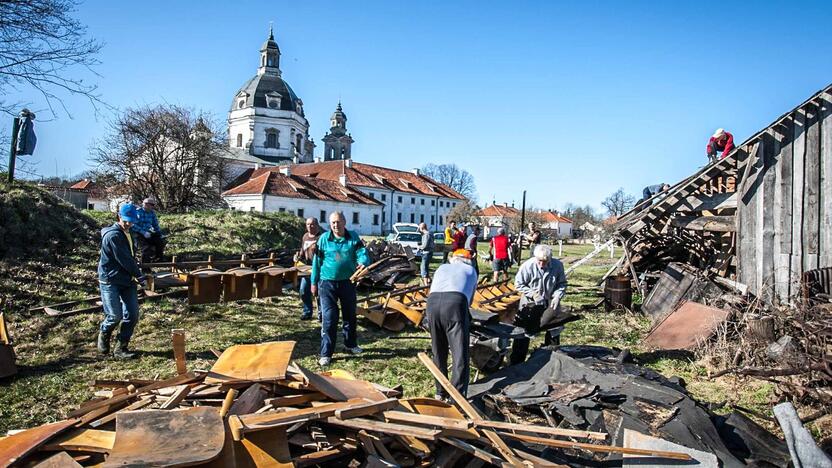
(57, 358)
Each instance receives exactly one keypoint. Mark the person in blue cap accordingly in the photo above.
(118, 277)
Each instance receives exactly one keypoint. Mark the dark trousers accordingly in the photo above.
(153, 248)
(449, 324)
(333, 293)
(533, 318)
(305, 291)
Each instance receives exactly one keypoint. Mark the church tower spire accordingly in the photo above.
(337, 142)
(269, 56)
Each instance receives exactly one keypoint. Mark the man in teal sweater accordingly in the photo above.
(339, 254)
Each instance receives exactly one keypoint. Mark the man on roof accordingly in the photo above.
(720, 141)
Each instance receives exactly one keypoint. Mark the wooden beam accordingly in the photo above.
(469, 410)
(477, 452)
(541, 429)
(427, 420)
(706, 223)
(385, 428)
(599, 448)
(371, 407)
(178, 338)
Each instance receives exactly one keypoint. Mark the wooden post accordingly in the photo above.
(13, 151)
(560, 248)
(178, 338)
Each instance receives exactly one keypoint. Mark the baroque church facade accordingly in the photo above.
(272, 165)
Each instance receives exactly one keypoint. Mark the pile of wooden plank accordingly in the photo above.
(257, 408)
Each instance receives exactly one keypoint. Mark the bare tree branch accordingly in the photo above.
(618, 203)
(454, 177)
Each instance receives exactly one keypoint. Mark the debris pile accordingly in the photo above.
(600, 390)
(255, 407)
(392, 264)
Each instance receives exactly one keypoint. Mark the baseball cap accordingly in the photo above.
(127, 212)
(462, 253)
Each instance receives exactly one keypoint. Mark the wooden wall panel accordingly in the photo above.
(746, 223)
(798, 153)
(825, 248)
(782, 208)
(765, 213)
(811, 184)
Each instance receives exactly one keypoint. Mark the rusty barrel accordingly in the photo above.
(618, 293)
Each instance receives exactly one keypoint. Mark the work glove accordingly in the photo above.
(146, 235)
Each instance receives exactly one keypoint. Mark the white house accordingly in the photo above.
(278, 190)
(97, 197)
(495, 217)
(557, 226)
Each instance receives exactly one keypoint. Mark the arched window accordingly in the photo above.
(298, 141)
(241, 103)
(271, 138)
(239, 140)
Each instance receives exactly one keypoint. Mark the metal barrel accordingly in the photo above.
(618, 293)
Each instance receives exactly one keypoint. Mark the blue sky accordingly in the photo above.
(567, 100)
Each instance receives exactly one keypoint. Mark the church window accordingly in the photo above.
(433, 203)
(271, 138)
(422, 218)
(241, 103)
(400, 199)
(300, 212)
(398, 217)
(432, 219)
(423, 201)
(355, 217)
(322, 218)
(440, 220)
(375, 220)
(412, 200)
(383, 197)
(383, 217)
(239, 140)
(298, 143)
(281, 210)
(372, 195)
(441, 204)
(412, 217)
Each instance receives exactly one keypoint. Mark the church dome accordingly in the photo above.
(261, 91)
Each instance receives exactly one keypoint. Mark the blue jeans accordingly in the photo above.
(121, 305)
(332, 293)
(305, 291)
(423, 271)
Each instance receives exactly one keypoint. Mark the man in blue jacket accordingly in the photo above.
(340, 253)
(150, 239)
(118, 278)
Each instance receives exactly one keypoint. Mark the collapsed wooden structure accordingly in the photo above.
(393, 310)
(757, 217)
(257, 408)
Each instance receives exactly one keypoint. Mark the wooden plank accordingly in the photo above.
(798, 164)
(825, 248)
(385, 428)
(746, 215)
(59, 460)
(132, 407)
(240, 425)
(263, 362)
(295, 400)
(811, 197)
(14, 447)
(469, 410)
(716, 201)
(84, 440)
(706, 223)
(599, 448)
(765, 219)
(250, 401)
(178, 380)
(428, 420)
(371, 407)
(178, 339)
(541, 430)
(176, 398)
(475, 451)
(341, 389)
(783, 208)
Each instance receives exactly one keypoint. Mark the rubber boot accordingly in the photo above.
(104, 342)
(121, 351)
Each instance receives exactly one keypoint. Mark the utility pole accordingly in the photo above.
(522, 223)
(13, 151)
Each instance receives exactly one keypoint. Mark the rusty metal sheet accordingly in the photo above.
(263, 362)
(15, 447)
(167, 438)
(238, 284)
(204, 286)
(690, 324)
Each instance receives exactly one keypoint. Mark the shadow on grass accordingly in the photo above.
(653, 357)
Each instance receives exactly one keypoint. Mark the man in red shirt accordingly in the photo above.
(498, 249)
(720, 141)
(459, 239)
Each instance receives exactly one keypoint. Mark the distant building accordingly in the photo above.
(495, 217)
(555, 226)
(275, 189)
(268, 133)
(97, 198)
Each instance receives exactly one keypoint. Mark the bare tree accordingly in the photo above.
(463, 212)
(580, 215)
(618, 203)
(454, 177)
(170, 152)
(43, 47)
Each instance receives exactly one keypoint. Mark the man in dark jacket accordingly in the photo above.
(426, 246)
(308, 245)
(118, 278)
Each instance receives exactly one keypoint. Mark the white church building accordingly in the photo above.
(272, 165)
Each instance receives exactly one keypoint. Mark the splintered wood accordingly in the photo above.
(256, 408)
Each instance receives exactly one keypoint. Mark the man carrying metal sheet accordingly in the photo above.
(542, 282)
(118, 276)
(448, 318)
(339, 255)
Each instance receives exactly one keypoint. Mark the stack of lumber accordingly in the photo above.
(256, 407)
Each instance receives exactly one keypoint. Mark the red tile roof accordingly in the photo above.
(552, 217)
(367, 175)
(269, 181)
(84, 184)
(498, 210)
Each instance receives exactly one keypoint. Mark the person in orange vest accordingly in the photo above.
(720, 141)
